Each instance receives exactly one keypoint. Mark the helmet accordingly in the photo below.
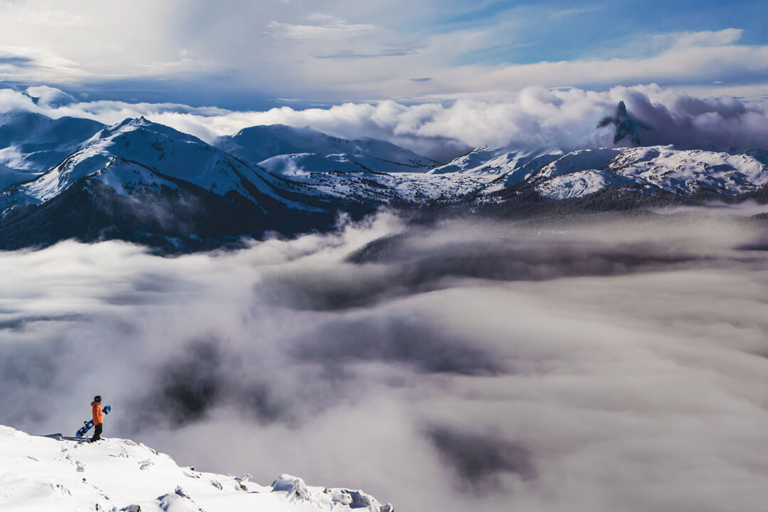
(97, 398)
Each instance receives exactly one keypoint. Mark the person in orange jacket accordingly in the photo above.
(98, 418)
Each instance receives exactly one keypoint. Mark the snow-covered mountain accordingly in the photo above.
(66, 474)
(156, 147)
(148, 183)
(648, 169)
(30, 143)
(259, 143)
(495, 162)
(335, 176)
(556, 175)
(139, 180)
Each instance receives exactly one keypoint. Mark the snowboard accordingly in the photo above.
(88, 425)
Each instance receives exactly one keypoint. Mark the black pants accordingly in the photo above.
(97, 433)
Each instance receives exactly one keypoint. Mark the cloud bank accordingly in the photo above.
(534, 118)
(588, 366)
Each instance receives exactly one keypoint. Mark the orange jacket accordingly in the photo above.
(98, 419)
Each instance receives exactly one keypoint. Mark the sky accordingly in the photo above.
(258, 54)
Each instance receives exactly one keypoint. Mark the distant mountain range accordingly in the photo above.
(260, 144)
(148, 183)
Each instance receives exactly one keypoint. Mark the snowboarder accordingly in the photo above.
(98, 418)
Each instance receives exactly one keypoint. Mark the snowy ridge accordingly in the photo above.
(682, 172)
(575, 161)
(580, 184)
(181, 156)
(493, 162)
(128, 178)
(259, 143)
(301, 162)
(156, 147)
(336, 176)
(45, 474)
(30, 143)
(688, 171)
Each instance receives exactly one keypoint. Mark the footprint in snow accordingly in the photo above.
(123, 453)
(80, 466)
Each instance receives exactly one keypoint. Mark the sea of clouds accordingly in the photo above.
(534, 118)
(601, 365)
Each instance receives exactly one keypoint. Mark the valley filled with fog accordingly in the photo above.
(598, 363)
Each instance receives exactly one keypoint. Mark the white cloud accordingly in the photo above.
(681, 64)
(707, 38)
(19, 63)
(49, 96)
(637, 383)
(40, 12)
(325, 26)
(535, 117)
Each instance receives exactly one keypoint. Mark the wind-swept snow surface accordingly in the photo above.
(40, 474)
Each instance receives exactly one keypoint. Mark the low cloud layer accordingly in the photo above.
(582, 366)
(535, 118)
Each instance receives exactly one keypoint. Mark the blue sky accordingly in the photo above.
(555, 31)
(256, 54)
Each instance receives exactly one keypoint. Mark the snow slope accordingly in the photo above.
(682, 172)
(157, 147)
(493, 162)
(575, 161)
(30, 143)
(580, 183)
(688, 171)
(259, 143)
(128, 178)
(46, 474)
(337, 176)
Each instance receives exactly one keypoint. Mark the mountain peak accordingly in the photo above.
(131, 122)
(621, 110)
(627, 127)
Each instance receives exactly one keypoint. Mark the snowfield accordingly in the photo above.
(579, 184)
(64, 474)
